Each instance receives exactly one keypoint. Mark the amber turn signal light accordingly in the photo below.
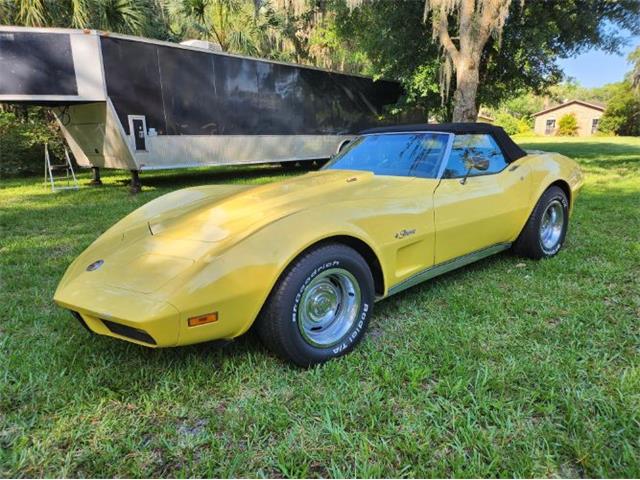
(203, 319)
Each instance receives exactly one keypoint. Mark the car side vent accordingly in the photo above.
(130, 332)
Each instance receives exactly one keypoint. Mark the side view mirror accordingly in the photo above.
(480, 163)
(475, 163)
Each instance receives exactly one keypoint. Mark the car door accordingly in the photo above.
(478, 209)
(410, 218)
(397, 208)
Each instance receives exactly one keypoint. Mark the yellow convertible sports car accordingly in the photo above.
(307, 257)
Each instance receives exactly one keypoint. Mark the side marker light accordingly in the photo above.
(203, 319)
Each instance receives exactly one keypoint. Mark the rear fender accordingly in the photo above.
(546, 169)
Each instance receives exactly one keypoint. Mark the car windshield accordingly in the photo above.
(400, 154)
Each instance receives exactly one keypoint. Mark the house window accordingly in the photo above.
(550, 126)
(594, 125)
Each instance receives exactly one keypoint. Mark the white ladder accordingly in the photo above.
(67, 166)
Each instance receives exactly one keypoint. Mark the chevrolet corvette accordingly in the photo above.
(305, 259)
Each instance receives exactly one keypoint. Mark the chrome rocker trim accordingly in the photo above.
(447, 266)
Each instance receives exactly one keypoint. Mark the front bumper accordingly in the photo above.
(123, 314)
(120, 330)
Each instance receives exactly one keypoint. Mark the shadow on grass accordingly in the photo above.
(164, 183)
(82, 202)
(113, 352)
(629, 162)
(587, 149)
(214, 176)
(414, 293)
(214, 353)
(171, 179)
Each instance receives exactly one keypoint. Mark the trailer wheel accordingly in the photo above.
(342, 145)
(289, 166)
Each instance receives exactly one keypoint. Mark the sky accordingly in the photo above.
(596, 68)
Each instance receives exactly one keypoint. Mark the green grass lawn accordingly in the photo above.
(508, 367)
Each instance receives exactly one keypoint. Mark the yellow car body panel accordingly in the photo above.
(222, 248)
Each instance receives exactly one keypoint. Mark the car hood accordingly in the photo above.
(210, 218)
(175, 232)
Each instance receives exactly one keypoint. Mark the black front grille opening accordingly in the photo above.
(129, 332)
(81, 320)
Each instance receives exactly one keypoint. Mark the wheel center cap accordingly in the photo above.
(323, 303)
(328, 308)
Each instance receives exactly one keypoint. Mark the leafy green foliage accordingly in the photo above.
(121, 15)
(228, 23)
(135, 17)
(523, 106)
(511, 124)
(23, 132)
(537, 33)
(634, 58)
(568, 125)
(297, 31)
(398, 45)
(622, 115)
(505, 368)
(572, 90)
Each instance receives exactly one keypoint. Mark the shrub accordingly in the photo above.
(23, 132)
(568, 125)
(511, 124)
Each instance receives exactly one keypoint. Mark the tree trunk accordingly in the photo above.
(477, 21)
(464, 98)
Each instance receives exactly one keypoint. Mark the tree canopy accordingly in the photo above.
(382, 38)
(622, 115)
(398, 42)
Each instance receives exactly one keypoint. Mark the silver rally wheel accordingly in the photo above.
(320, 307)
(544, 233)
(552, 226)
(329, 307)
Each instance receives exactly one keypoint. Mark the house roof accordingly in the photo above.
(595, 106)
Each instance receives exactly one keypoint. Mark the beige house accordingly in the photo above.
(588, 115)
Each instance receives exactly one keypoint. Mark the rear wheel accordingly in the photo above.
(320, 307)
(545, 231)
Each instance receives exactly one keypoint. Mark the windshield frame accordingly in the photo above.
(443, 158)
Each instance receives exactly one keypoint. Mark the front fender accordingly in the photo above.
(236, 282)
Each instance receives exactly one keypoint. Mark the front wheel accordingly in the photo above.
(320, 307)
(545, 231)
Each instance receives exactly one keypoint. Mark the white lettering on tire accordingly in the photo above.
(355, 332)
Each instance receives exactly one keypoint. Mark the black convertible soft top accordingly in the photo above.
(510, 149)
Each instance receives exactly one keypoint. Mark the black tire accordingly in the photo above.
(321, 162)
(309, 164)
(279, 324)
(289, 166)
(530, 241)
(343, 145)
